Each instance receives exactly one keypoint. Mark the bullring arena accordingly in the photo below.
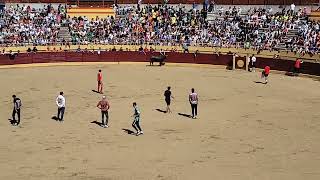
(245, 129)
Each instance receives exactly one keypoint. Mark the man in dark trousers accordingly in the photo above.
(16, 110)
(136, 120)
(297, 66)
(61, 103)
(168, 96)
(193, 100)
(104, 106)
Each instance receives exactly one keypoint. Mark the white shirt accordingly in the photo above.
(61, 101)
(293, 6)
(193, 98)
(253, 59)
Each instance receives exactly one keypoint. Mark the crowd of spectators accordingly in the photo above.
(21, 24)
(261, 29)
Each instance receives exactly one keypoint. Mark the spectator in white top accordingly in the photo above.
(253, 63)
(61, 103)
(292, 7)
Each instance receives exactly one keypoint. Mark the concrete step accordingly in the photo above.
(64, 34)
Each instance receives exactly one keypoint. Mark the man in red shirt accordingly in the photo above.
(265, 74)
(297, 66)
(104, 106)
(100, 84)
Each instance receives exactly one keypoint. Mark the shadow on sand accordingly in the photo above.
(128, 131)
(95, 91)
(161, 110)
(55, 118)
(185, 115)
(97, 123)
(12, 122)
(259, 82)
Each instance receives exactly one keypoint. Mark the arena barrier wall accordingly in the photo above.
(134, 56)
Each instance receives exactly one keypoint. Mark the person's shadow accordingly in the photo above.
(55, 118)
(160, 110)
(128, 131)
(12, 122)
(259, 82)
(96, 91)
(97, 123)
(185, 115)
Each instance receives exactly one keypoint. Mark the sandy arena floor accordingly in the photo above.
(245, 130)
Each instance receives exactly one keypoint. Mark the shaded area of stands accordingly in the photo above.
(134, 56)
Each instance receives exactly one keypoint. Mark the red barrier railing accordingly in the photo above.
(135, 56)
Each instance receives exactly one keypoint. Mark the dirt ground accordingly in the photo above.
(245, 130)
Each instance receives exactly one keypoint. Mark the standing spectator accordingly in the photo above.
(253, 63)
(104, 106)
(61, 103)
(185, 48)
(168, 96)
(205, 5)
(292, 7)
(16, 110)
(297, 67)
(193, 100)
(136, 120)
(265, 74)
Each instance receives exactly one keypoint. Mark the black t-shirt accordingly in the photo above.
(167, 94)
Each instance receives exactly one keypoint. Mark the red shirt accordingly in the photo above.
(298, 62)
(267, 70)
(104, 105)
(99, 76)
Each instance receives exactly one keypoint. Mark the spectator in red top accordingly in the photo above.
(100, 84)
(297, 66)
(265, 74)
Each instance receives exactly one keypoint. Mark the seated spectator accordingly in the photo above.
(34, 49)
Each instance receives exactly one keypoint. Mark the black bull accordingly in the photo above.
(160, 59)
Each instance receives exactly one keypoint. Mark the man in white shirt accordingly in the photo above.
(193, 99)
(292, 7)
(61, 103)
(253, 63)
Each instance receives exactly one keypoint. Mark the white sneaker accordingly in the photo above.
(138, 133)
(106, 126)
(141, 132)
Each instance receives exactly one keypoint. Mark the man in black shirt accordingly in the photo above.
(16, 110)
(168, 96)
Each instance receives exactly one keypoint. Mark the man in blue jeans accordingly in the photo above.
(61, 103)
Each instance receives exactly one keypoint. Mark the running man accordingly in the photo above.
(61, 103)
(100, 84)
(136, 120)
(104, 106)
(193, 100)
(16, 110)
(168, 96)
(265, 74)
